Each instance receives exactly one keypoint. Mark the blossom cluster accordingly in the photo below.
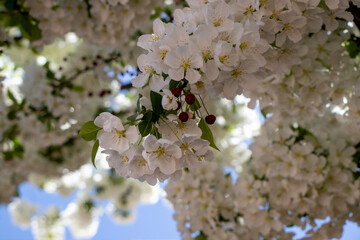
(266, 50)
(289, 56)
(298, 174)
(103, 23)
(43, 105)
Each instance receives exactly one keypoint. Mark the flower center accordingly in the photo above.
(163, 54)
(142, 162)
(161, 152)
(185, 63)
(243, 45)
(217, 21)
(155, 37)
(224, 58)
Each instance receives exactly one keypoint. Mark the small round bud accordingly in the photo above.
(183, 116)
(210, 119)
(190, 99)
(176, 92)
(90, 94)
(102, 93)
(83, 58)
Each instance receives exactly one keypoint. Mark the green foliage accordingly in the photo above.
(353, 46)
(94, 151)
(145, 125)
(173, 84)
(17, 150)
(138, 104)
(11, 96)
(132, 118)
(207, 134)
(156, 99)
(323, 5)
(17, 16)
(196, 106)
(89, 131)
(201, 236)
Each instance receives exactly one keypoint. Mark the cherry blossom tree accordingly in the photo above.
(199, 71)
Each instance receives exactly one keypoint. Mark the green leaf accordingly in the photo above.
(50, 74)
(156, 99)
(94, 151)
(10, 5)
(138, 105)
(352, 46)
(132, 118)
(173, 84)
(323, 5)
(89, 131)
(77, 88)
(145, 128)
(196, 106)
(263, 113)
(11, 115)
(12, 97)
(145, 125)
(207, 134)
(201, 236)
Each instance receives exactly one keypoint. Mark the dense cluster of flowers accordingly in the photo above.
(296, 60)
(42, 113)
(289, 56)
(276, 53)
(103, 23)
(297, 174)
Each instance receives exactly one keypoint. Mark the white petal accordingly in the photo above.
(211, 70)
(157, 82)
(176, 73)
(158, 27)
(140, 80)
(230, 89)
(100, 120)
(172, 60)
(192, 75)
(150, 144)
(132, 134)
(122, 145)
(167, 166)
(196, 61)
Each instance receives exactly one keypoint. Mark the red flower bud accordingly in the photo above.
(210, 119)
(190, 99)
(184, 117)
(176, 92)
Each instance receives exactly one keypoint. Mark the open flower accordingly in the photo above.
(183, 62)
(161, 154)
(148, 73)
(114, 136)
(169, 100)
(195, 150)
